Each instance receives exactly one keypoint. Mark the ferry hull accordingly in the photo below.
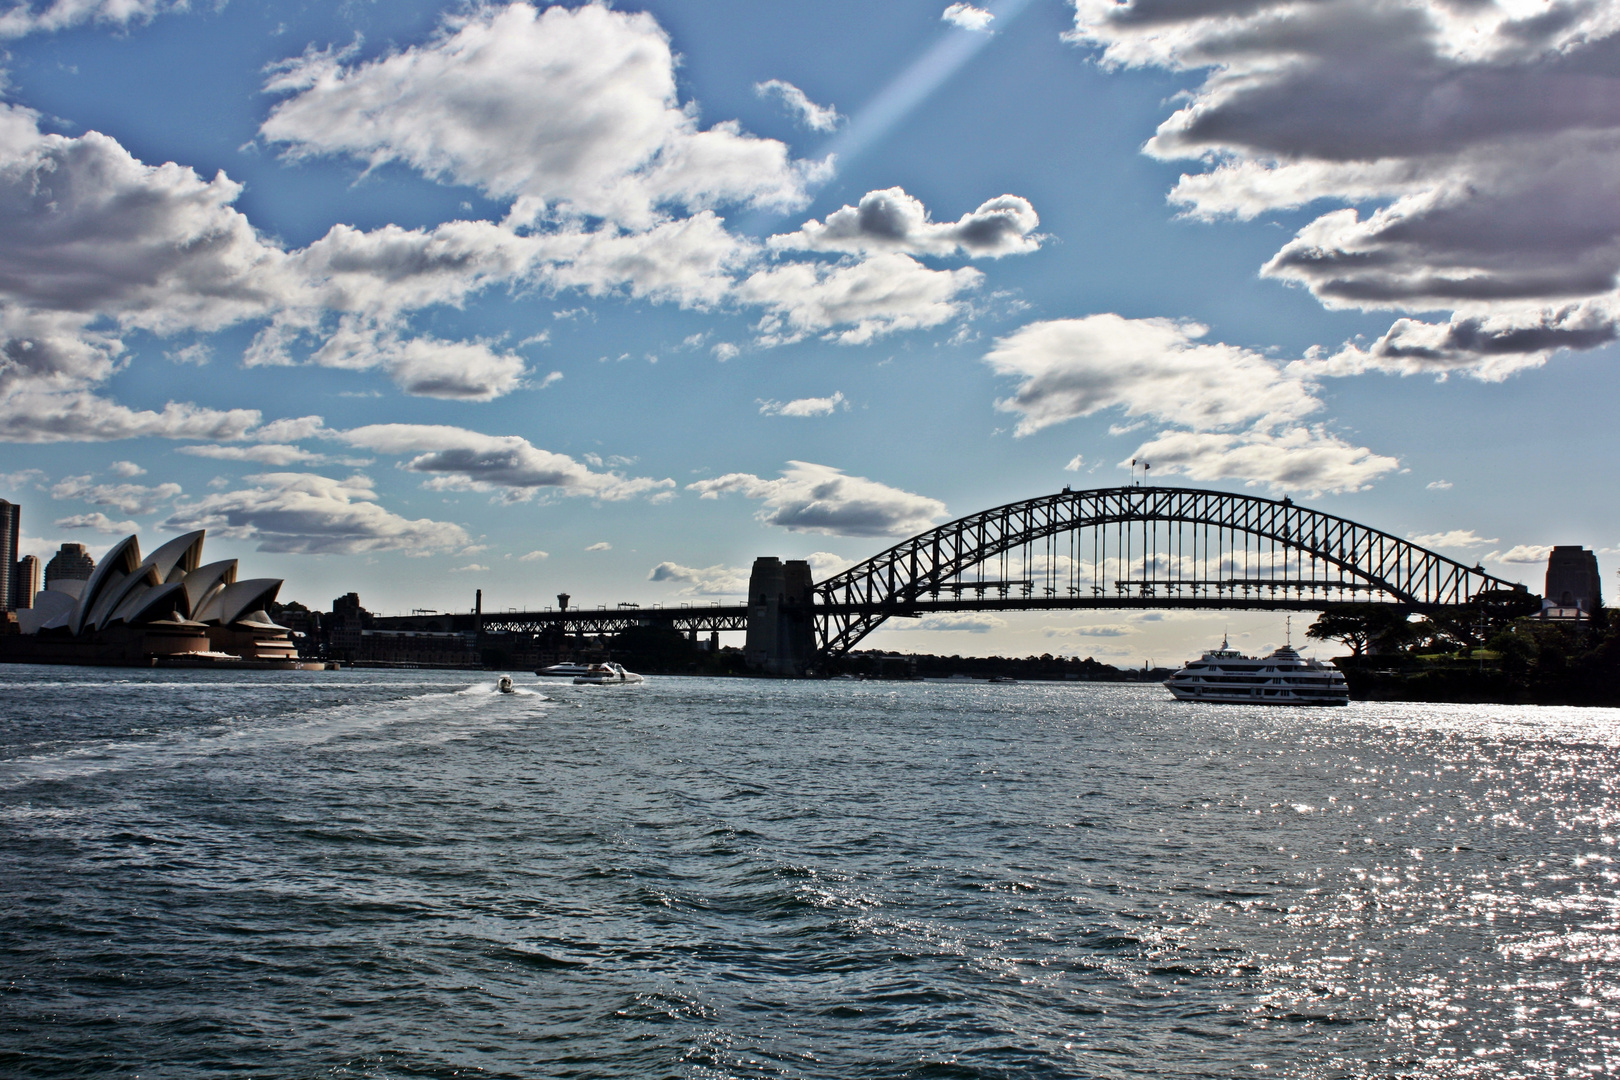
(1254, 697)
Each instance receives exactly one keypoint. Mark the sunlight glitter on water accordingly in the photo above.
(738, 878)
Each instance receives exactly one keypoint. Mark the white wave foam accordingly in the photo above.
(416, 719)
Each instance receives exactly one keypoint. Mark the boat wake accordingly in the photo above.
(359, 727)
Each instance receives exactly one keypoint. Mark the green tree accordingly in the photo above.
(1363, 626)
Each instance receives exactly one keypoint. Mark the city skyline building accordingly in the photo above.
(10, 527)
(71, 561)
(25, 582)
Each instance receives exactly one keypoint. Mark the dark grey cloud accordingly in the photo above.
(1477, 148)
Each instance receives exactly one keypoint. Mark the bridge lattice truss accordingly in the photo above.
(1142, 547)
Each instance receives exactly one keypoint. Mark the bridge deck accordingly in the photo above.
(734, 617)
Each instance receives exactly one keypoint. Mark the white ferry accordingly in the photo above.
(1283, 678)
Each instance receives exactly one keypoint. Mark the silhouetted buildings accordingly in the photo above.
(1574, 584)
(345, 627)
(19, 577)
(72, 562)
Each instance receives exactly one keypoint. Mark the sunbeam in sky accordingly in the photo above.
(901, 97)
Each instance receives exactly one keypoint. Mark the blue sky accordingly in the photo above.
(392, 297)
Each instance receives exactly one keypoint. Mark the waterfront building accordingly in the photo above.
(72, 562)
(10, 527)
(1574, 585)
(25, 582)
(348, 622)
(166, 608)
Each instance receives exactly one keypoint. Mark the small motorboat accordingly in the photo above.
(504, 685)
(603, 674)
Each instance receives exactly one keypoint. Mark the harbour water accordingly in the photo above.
(405, 874)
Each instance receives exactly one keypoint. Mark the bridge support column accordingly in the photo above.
(781, 632)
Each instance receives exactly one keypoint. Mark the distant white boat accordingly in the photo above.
(603, 674)
(504, 684)
(1284, 678)
(568, 670)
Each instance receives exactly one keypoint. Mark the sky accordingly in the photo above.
(413, 299)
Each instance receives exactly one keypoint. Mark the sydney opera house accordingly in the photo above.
(167, 608)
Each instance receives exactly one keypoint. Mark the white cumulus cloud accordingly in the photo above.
(128, 498)
(309, 514)
(99, 522)
(878, 295)
(274, 454)
(968, 17)
(703, 581)
(456, 459)
(891, 220)
(29, 17)
(569, 108)
(1303, 458)
(1235, 413)
(810, 406)
(813, 116)
(821, 499)
(1092, 630)
(1454, 538)
(969, 622)
(1148, 367)
(1528, 554)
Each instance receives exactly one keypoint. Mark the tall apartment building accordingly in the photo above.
(10, 527)
(25, 582)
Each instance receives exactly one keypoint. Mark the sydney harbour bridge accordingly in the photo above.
(1121, 547)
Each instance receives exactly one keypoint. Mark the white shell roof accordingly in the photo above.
(183, 554)
(237, 599)
(125, 587)
(202, 582)
(116, 565)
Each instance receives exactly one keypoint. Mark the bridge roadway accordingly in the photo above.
(574, 621)
(734, 617)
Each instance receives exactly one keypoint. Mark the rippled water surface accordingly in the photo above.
(405, 874)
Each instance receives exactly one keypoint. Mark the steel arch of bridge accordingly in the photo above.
(1209, 545)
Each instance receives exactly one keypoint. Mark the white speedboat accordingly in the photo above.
(504, 685)
(602, 674)
(567, 670)
(1283, 678)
